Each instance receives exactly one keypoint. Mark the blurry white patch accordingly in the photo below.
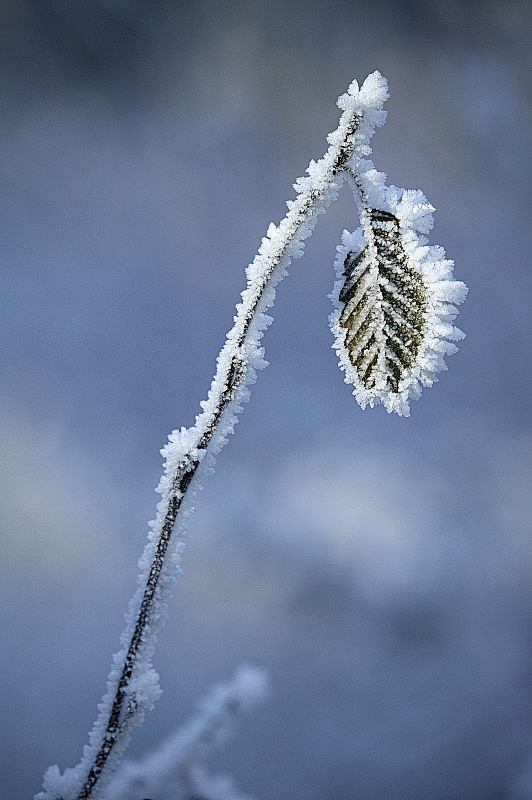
(53, 520)
(400, 525)
(371, 515)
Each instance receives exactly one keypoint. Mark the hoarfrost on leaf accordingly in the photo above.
(393, 313)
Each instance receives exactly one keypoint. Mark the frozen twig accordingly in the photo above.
(175, 768)
(393, 311)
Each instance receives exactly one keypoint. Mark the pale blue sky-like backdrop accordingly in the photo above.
(379, 568)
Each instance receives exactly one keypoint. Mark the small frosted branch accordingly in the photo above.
(174, 769)
(132, 686)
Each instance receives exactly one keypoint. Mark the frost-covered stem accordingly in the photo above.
(132, 685)
(228, 378)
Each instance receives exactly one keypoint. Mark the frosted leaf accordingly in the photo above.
(391, 321)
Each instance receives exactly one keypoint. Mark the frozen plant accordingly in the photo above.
(174, 769)
(395, 302)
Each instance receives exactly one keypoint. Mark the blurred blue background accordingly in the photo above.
(378, 567)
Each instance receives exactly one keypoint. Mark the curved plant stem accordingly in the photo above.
(230, 376)
(132, 685)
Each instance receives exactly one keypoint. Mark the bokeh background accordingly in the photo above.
(379, 568)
